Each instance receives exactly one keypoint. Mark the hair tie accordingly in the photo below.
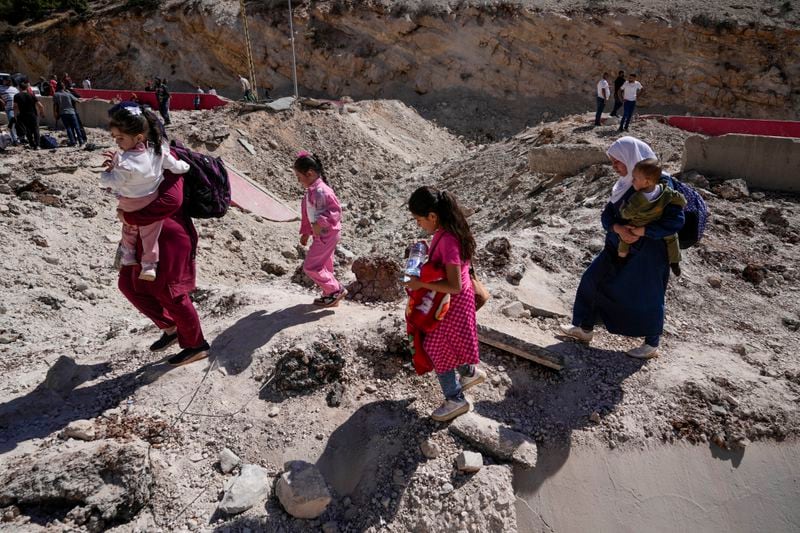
(302, 153)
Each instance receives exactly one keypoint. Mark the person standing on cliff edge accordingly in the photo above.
(602, 93)
(620, 79)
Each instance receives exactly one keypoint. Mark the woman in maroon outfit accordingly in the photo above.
(166, 300)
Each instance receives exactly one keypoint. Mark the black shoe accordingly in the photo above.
(166, 340)
(676, 268)
(189, 355)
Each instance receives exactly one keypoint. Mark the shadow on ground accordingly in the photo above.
(365, 460)
(548, 406)
(60, 399)
(233, 349)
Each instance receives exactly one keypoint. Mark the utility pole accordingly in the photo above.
(253, 85)
(294, 56)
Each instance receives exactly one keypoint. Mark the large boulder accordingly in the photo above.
(245, 490)
(108, 480)
(302, 491)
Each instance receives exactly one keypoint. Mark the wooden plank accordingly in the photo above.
(508, 343)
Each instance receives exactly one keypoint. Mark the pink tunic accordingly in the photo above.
(455, 341)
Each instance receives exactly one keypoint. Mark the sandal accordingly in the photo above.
(331, 300)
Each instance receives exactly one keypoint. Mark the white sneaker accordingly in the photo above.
(475, 379)
(449, 410)
(645, 351)
(128, 256)
(148, 272)
(576, 332)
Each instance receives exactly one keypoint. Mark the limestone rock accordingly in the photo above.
(245, 490)
(110, 480)
(495, 439)
(302, 491)
(515, 310)
(80, 429)
(469, 462)
(228, 460)
(429, 449)
(735, 189)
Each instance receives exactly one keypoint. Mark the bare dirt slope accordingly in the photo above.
(727, 373)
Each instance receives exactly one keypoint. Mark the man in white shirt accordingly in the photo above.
(86, 84)
(248, 93)
(602, 93)
(7, 94)
(631, 89)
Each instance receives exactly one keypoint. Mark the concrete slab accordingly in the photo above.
(540, 294)
(765, 162)
(248, 195)
(496, 439)
(565, 159)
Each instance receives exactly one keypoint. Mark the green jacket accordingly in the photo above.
(638, 211)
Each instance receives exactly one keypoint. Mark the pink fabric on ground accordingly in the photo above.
(148, 233)
(319, 262)
(455, 341)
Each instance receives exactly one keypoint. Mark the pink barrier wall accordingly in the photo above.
(177, 100)
(720, 126)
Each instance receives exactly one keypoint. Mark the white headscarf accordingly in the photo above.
(630, 151)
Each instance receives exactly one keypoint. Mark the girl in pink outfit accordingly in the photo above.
(321, 217)
(453, 345)
(135, 175)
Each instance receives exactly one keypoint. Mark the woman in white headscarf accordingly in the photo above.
(627, 295)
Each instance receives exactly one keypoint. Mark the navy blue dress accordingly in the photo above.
(628, 295)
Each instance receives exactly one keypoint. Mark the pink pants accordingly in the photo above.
(148, 233)
(319, 262)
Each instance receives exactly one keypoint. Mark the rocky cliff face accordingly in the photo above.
(488, 69)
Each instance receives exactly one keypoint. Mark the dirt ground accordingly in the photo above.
(727, 372)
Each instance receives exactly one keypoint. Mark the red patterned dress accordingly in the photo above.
(455, 341)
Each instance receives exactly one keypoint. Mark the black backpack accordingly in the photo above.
(206, 188)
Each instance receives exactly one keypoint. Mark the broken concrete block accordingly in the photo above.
(765, 162)
(565, 159)
(495, 439)
(245, 490)
(302, 491)
(469, 462)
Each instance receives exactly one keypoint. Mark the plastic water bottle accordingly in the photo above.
(416, 257)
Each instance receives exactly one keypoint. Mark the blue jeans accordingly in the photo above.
(450, 385)
(163, 108)
(627, 114)
(12, 130)
(73, 130)
(601, 104)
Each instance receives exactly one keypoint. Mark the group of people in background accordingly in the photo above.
(625, 93)
(24, 111)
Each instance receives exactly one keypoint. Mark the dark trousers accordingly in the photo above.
(166, 312)
(30, 124)
(163, 108)
(601, 104)
(617, 105)
(73, 130)
(627, 114)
